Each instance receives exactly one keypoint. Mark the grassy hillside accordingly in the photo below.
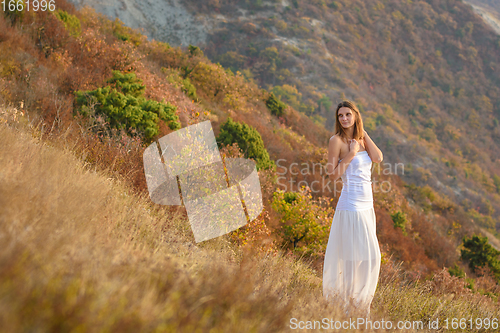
(119, 254)
(82, 252)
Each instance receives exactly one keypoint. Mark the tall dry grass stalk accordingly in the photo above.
(81, 253)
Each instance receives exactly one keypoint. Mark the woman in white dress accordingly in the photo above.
(352, 259)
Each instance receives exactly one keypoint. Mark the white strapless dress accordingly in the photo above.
(352, 259)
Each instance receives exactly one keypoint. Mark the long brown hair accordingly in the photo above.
(358, 132)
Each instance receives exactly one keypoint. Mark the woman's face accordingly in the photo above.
(346, 117)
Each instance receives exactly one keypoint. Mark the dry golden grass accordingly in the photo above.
(80, 253)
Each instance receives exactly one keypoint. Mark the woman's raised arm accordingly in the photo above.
(373, 151)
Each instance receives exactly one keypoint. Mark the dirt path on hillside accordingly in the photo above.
(495, 242)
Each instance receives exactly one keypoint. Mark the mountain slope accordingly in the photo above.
(161, 20)
(425, 75)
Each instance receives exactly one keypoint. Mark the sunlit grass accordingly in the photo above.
(81, 253)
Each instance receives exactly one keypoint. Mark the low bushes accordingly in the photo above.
(123, 105)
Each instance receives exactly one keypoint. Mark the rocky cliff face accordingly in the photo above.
(163, 20)
(489, 11)
(169, 21)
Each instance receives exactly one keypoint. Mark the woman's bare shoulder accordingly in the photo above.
(335, 138)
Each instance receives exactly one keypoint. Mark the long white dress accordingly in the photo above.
(352, 259)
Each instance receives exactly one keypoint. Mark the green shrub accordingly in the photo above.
(127, 84)
(249, 141)
(456, 271)
(189, 89)
(123, 106)
(304, 222)
(290, 197)
(71, 22)
(479, 253)
(276, 106)
(399, 219)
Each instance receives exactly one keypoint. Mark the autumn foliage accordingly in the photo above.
(45, 59)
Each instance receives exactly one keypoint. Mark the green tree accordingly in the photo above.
(248, 139)
(304, 222)
(276, 106)
(399, 219)
(479, 253)
(123, 106)
(195, 51)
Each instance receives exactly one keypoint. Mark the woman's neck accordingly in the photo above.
(349, 132)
